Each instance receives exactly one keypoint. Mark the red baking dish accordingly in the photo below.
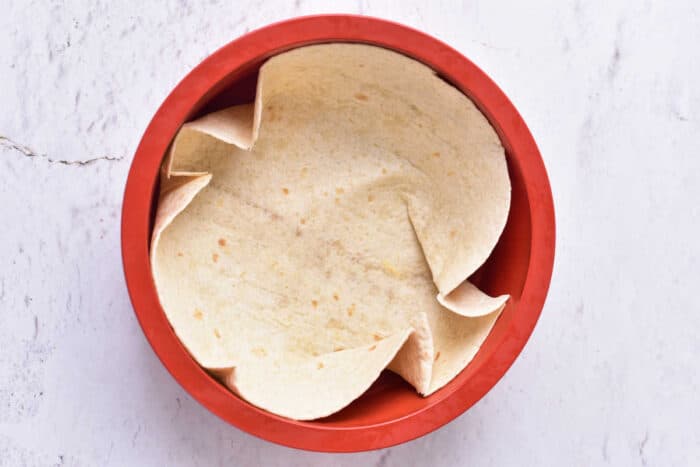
(521, 265)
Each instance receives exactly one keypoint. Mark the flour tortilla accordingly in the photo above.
(307, 241)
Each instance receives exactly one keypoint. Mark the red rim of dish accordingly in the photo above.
(142, 181)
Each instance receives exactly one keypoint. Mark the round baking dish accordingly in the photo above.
(521, 265)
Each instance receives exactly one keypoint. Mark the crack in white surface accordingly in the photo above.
(642, 445)
(28, 152)
(614, 62)
(381, 462)
(604, 449)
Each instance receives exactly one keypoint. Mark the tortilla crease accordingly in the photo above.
(301, 241)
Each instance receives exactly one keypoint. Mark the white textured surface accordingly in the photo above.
(610, 91)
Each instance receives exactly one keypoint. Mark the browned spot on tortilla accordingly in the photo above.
(217, 333)
(274, 216)
(302, 221)
(361, 97)
(198, 314)
(339, 191)
(450, 173)
(222, 242)
(437, 355)
(436, 154)
(337, 200)
(214, 257)
(335, 296)
(334, 323)
(453, 232)
(370, 198)
(384, 171)
(285, 191)
(351, 309)
(377, 337)
(297, 232)
(314, 303)
(391, 270)
(338, 349)
(260, 352)
(372, 348)
(271, 113)
(304, 171)
(315, 354)
(179, 253)
(320, 365)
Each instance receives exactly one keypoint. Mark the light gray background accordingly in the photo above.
(610, 90)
